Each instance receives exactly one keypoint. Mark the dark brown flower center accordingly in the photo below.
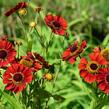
(93, 66)
(56, 25)
(3, 54)
(73, 48)
(107, 78)
(18, 77)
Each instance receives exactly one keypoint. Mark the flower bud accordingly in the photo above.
(48, 76)
(32, 24)
(22, 11)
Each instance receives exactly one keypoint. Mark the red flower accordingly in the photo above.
(7, 52)
(30, 62)
(103, 80)
(33, 61)
(97, 50)
(73, 51)
(17, 7)
(16, 77)
(104, 53)
(88, 70)
(56, 23)
(44, 63)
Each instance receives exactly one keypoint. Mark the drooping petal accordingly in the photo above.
(102, 85)
(83, 73)
(90, 78)
(72, 60)
(83, 63)
(106, 90)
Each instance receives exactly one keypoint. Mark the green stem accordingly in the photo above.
(56, 75)
(39, 38)
(76, 21)
(18, 48)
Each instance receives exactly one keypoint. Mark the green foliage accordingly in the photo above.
(12, 100)
(87, 19)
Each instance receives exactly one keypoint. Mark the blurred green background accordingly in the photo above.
(87, 19)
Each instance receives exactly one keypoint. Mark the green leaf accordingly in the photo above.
(12, 100)
(106, 40)
(45, 94)
(58, 97)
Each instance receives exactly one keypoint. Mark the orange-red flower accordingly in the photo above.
(57, 23)
(97, 50)
(44, 63)
(103, 52)
(31, 62)
(15, 8)
(17, 77)
(74, 51)
(7, 52)
(89, 69)
(103, 80)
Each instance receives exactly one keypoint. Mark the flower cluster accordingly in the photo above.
(96, 69)
(93, 69)
(18, 72)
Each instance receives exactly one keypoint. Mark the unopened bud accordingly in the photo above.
(48, 76)
(22, 11)
(32, 24)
